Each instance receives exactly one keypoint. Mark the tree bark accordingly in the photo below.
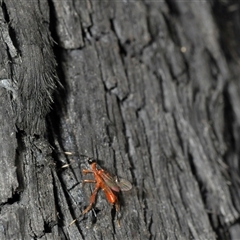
(149, 89)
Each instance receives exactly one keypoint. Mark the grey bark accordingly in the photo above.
(149, 89)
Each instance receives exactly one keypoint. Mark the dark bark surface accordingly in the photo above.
(149, 89)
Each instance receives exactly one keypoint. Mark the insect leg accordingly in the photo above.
(92, 199)
(89, 181)
(118, 214)
(117, 206)
(85, 171)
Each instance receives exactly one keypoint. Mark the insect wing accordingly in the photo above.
(110, 182)
(123, 184)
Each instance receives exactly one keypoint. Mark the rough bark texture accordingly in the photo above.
(149, 89)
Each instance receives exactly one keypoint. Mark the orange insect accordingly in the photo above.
(108, 184)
